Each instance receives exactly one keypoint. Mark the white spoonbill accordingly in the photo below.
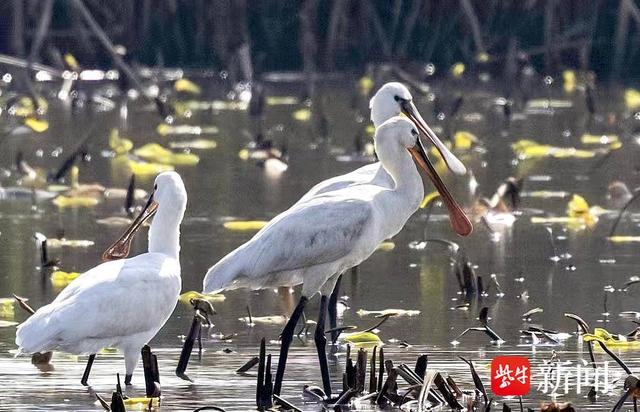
(120, 303)
(390, 100)
(316, 240)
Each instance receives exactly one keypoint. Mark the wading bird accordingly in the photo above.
(120, 303)
(317, 239)
(392, 99)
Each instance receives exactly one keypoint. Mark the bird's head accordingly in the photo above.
(168, 193)
(394, 99)
(406, 134)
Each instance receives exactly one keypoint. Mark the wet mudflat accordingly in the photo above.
(222, 187)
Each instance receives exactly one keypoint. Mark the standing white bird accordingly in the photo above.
(392, 99)
(318, 239)
(120, 303)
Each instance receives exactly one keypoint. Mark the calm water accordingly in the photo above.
(222, 186)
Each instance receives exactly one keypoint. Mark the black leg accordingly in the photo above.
(321, 343)
(333, 310)
(127, 379)
(87, 370)
(287, 337)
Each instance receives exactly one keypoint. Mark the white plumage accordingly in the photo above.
(329, 232)
(121, 303)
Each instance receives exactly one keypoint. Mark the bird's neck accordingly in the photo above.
(164, 233)
(397, 161)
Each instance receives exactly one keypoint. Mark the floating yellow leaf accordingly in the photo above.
(599, 139)
(141, 404)
(243, 154)
(75, 201)
(192, 294)
(281, 100)
(142, 168)
(197, 144)
(483, 57)
(71, 61)
(370, 129)
(37, 125)
(457, 70)
(602, 335)
(79, 243)
(242, 225)
(365, 84)
(186, 86)
(569, 81)
(302, 115)
(24, 107)
(118, 144)
(463, 140)
(542, 104)
(164, 129)
(387, 246)
(60, 279)
(265, 320)
(7, 308)
(529, 149)
(364, 339)
(389, 312)
(632, 99)
(156, 153)
(546, 194)
(624, 239)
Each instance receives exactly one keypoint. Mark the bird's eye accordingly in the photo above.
(397, 98)
(155, 187)
(414, 132)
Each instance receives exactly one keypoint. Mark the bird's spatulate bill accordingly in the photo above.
(453, 163)
(459, 220)
(120, 248)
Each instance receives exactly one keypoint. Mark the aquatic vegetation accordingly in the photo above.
(60, 278)
(632, 99)
(37, 125)
(197, 144)
(140, 167)
(192, 294)
(302, 115)
(154, 152)
(72, 243)
(605, 139)
(186, 86)
(281, 100)
(463, 140)
(569, 81)
(389, 312)
(63, 201)
(6, 308)
(266, 320)
(164, 129)
(120, 145)
(387, 246)
(457, 70)
(529, 149)
(362, 339)
(615, 341)
(244, 225)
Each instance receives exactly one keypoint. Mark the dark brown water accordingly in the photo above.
(223, 186)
